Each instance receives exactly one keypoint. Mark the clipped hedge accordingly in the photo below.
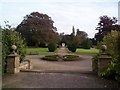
(72, 47)
(51, 57)
(52, 47)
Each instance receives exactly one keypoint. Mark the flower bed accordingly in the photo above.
(51, 57)
(70, 57)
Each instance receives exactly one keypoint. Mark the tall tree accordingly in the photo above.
(105, 25)
(73, 31)
(80, 37)
(38, 27)
(77, 38)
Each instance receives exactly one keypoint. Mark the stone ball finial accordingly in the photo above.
(103, 48)
(14, 47)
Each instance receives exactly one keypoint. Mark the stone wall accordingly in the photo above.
(14, 65)
(25, 65)
(103, 62)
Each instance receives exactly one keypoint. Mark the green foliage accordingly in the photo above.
(9, 38)
(41, 51)
(105, 25)
(37, 27)
(51, 57)
(42, 44)
(72, 47)
(87, 44)
(77, 38)
(52, 47)
(112, 41)
(80, 37)
(91, 52)
(109, 72)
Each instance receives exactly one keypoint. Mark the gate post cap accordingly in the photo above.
(103, 48)
(14, 47)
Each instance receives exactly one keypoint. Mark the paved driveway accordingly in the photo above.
(56, 80)
(64, 79)
(82, 65)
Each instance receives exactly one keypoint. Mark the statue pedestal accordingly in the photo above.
(103, 62)
(13, 63)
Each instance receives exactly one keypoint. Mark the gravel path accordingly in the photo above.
(84, 64)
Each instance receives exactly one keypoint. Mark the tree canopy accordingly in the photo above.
(77, 38)
(81, 36)
(36, 28)
(106, 25)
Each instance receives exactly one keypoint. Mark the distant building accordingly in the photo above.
(119, 12)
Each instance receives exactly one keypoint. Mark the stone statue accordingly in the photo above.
(63, 44)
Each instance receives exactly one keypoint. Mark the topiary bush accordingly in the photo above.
(52, 47)
(72, 47)
(10, 37)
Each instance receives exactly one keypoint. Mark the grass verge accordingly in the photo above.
(36, 51)
(91, 52)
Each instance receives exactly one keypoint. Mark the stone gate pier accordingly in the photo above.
(103, 60)
(13, 62)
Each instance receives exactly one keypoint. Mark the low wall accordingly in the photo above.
(26, 64)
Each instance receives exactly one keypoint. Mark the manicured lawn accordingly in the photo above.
(44, 51)
(39, 51)
(91, 51)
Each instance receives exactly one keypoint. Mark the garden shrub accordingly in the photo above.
(112, 41)
(9, 38)
(87, 44)
(42, 44)
(52, 47)
(72, 47)
(51, 57)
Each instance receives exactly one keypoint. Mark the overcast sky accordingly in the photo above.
(82, 14)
